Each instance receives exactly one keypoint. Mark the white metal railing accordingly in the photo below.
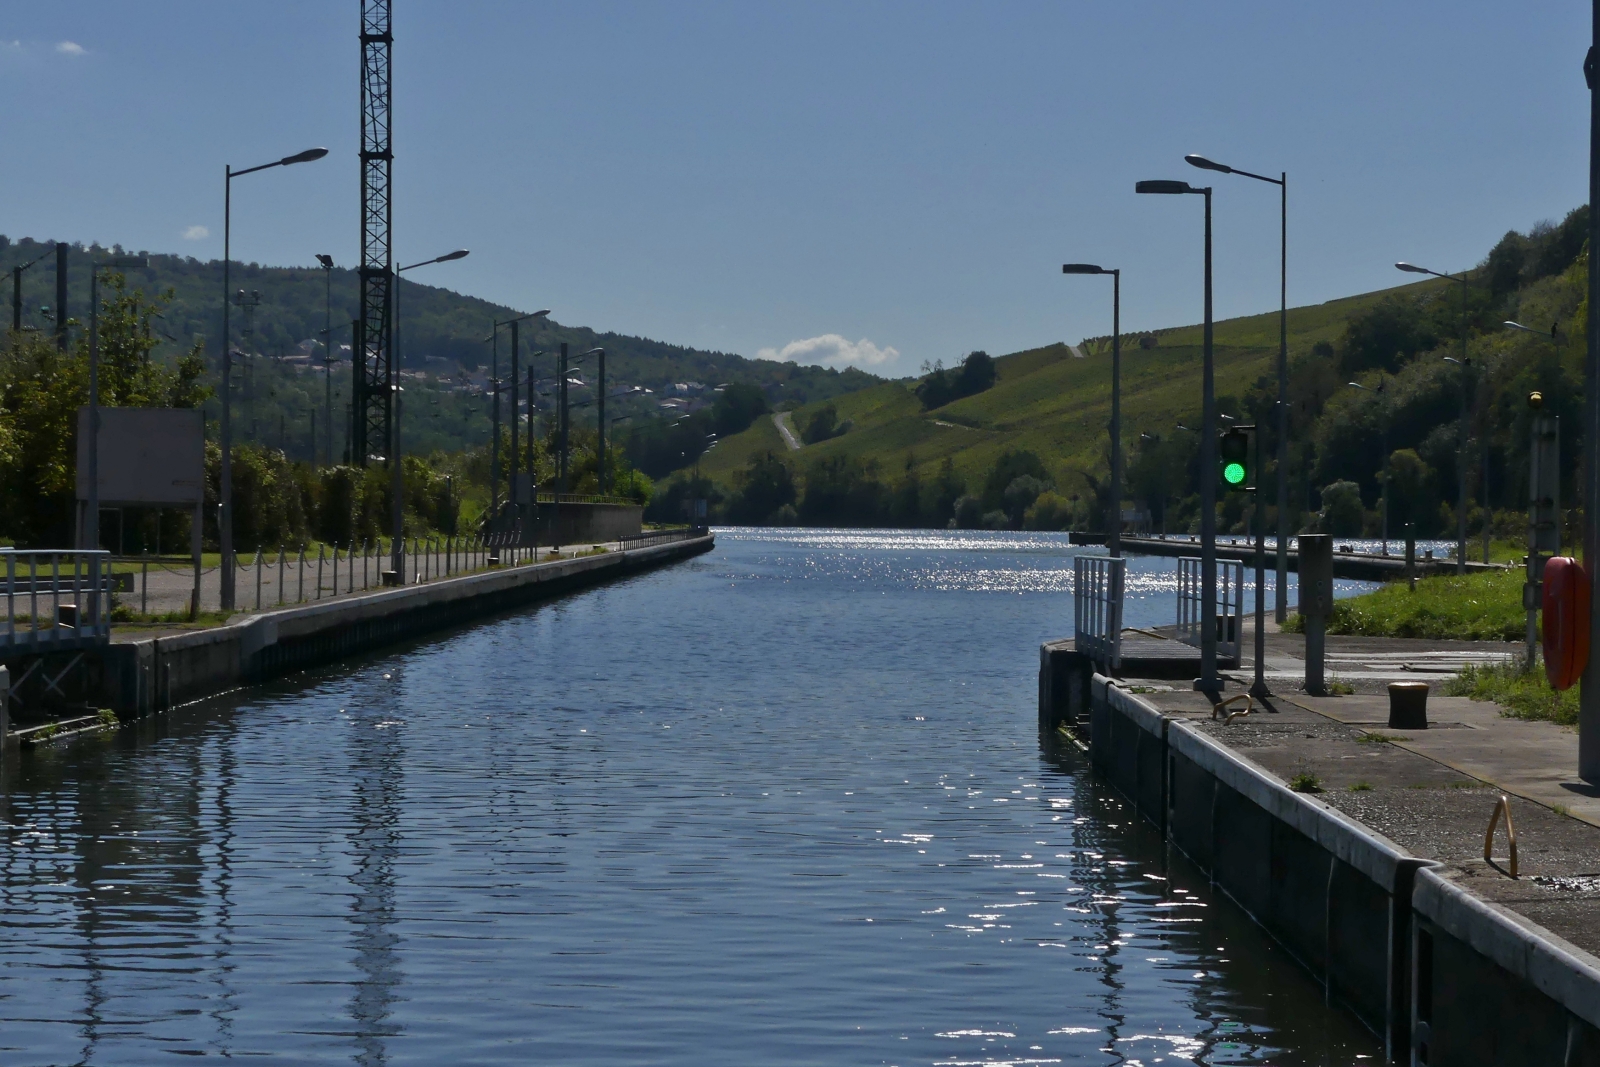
(1230, 600)
(1097, 607)
(54, 597)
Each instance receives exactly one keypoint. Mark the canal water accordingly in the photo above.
(783, 803)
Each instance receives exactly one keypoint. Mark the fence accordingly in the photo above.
(661, 537)
(1230, 600)
(1097, 607)
(55, 598)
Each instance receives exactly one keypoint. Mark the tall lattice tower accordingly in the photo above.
(372, 412)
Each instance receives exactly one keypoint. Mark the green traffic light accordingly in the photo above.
(1233, 474)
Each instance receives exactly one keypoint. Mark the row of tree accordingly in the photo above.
(277, 500)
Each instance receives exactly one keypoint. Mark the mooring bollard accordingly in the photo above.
(1316, 603)
(1408, 705)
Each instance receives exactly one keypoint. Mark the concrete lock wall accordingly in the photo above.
(1444, 978)
(156, 674)
(583, 524)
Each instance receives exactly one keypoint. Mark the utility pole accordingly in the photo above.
(561, 392)
(61, 295)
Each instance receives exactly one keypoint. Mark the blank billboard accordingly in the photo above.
(147, 456)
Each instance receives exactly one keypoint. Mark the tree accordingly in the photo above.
(766, 486)
(737, 406)
(1342, 513)
(822, 426)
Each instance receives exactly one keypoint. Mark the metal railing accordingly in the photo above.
(55, 597)
(1097, 607)
(584, 498)
(661, 537)
(1230, 604)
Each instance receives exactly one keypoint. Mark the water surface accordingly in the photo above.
(783, 803)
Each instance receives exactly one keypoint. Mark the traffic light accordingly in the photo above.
(1233, 460)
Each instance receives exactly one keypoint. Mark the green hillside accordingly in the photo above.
(1033, 448)
(443, 339)
(1053, 403)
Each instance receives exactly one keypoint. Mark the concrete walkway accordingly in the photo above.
(1430, 791)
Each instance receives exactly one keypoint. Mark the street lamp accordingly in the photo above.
(16, 292)
(1114, 523)
(1383, 444)
(1208, 680)
(1281, 595)
(397, 549)
(225, 443)
(327, 350)
(90, 530)
(494, 379)
(1461, 433)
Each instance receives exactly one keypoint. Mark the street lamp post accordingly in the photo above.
(494, 380)
(1461, 432)
(1114, 521)
(225, 442)
(397, 549)
(1383, 445)
(1281, 593)
(327, 350)
(1208, 680)
(16, 293)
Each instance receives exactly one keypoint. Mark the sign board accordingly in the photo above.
(147, 456)
(521, 491)
(1544, 486)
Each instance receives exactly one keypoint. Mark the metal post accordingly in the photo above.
(396, 473)
(1114, 529)
(602, 404)
(1461, 444)
(1281, 591)
(515, 419)
(16, 300)
(1589, 695)
(1316, 601)
(1383, 443)
(561, 390)
(1209, 680)
(494, 443)
(225, 443)
(1259, 688)
(327, 366)
(61, 295)
(91, 509)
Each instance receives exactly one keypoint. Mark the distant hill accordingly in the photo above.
(444, 334)
(901, 462)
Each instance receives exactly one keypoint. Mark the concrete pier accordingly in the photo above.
(151, 674)
(1360, 849)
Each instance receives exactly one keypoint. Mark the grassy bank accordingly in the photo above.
(1521, 693)
(1486, 606)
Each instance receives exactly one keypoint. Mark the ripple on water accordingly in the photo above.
(783, 801)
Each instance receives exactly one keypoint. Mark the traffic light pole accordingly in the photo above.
(1258, 688)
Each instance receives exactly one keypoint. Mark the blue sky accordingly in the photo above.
(882, 183)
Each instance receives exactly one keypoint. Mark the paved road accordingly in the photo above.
(780, 419)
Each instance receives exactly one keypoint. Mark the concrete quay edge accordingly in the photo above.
(1512, 981)
(1553, 965)
(157, 673)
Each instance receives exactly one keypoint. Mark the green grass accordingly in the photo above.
(1048, 401)
(1305, 783)
(1361, 787)
(1485, 606)
(1521, 693)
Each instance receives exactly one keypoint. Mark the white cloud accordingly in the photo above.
(833, 350)
(70, 48)
(196, 233)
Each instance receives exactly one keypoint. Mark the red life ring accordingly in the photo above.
(1566, 621)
